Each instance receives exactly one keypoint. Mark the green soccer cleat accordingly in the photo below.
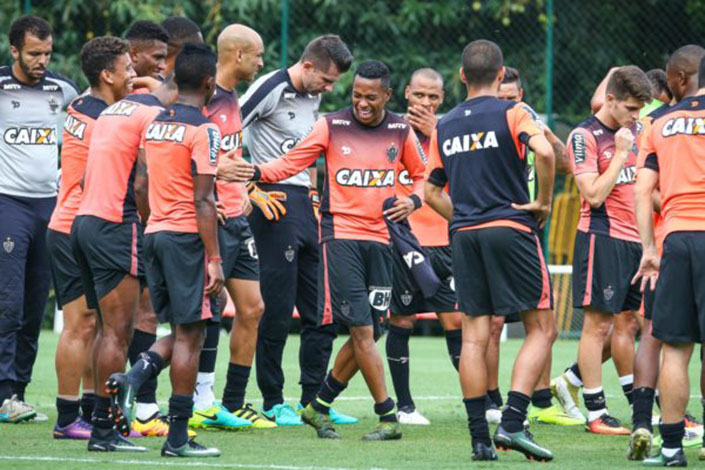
(320, 422)
(385, 431)
(482, 451)
(217, 417)
(640, 444)
(335, 416)
(523, 442)
(283, 415)
(111, 441)
(553, 415)
(122, 402)
(191, 449)
(660, 460)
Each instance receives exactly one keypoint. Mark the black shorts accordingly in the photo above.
(603, 268)
(176, 276)
(65, 273)
(106, 252)
(237, 248)
(499, 271)
(679, 305)
(354, 283)
(407, 298)
(648, 302)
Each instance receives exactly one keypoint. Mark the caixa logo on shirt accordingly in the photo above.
(404, 179)
(30, 136)
(627, 175)
(470, 142)
(231, 141)
(159, 131)
(683, 125)
(380, 297)
(75, 127)
(365, 178)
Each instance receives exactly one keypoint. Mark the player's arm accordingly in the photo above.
(559, 151)
(598, 98)
(141, 185)
(646, 184)
(413, 159)
(436, 180)
(593, 186)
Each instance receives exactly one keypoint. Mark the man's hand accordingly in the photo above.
(216, 278)
(234, 169)
(246, 207)
(421, 119)
(648, 269)
(269, 202)
(400, 210)
(623, 141)
(539, 211)
(315, 202)
(220, 209)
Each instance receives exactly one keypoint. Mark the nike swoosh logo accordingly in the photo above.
(211, 417)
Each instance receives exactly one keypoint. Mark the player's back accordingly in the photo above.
(179, 144)
(108, 190)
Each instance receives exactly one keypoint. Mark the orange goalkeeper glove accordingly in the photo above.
(269, 202)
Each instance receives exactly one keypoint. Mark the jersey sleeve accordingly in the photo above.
(205, 148)
(647, 153)
(435, 173)
(524, 123)
(299, 158)
(582, 152)
(414, 160)
(257, 103)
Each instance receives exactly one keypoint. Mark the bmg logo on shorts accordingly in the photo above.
(380, 297)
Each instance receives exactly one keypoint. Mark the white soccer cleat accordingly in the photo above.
(412, 417)
(493, 415)
(567, 396)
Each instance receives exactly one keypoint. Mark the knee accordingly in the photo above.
(599, 326)
(250, 315)
(362, 336)
(402, 321)
(496, 327)
(475, 344)
(627, 327)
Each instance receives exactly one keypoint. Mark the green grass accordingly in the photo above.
(443, 445)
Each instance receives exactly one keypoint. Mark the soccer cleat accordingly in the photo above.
(640, 444)
(607, 424)
(493, 415)
(567, 395)
(701, 456)
(660, 460)
(320, 422)
(283, 415)
(122, 402)
(217, 417)
(248, 413)
(156, 425)
(77, 429)
(553, 415)
(336, 417)
(14, 410)
(409, 415)
(190, 449)
(482, 451)
(112, 442)
(691, 422)
(385, 431)
(522, 441)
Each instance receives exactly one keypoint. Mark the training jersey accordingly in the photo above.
(224, 110)
(479, 150)
(28, 123)
(430, 228)
(275, 118)
(78, 128)
(675, 148)
(179, 144)
(591, 148)
(361, 172)
(108, 190)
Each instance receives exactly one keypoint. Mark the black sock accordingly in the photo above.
(18, 389)
(180, 409)
(496, 397)
(385, 410)
(672, 435)
(235, 385)
(329, 391)
(595, 401)
(477, 422)
(148, 366)
(141, 342)
(541, 398)
(209, 352)
(643, 406)
(398, 359)
(454, 342)
(101, 413)
(514, 413)
(5, 390)
(67, 411)
(628, 389)
(87, 406)
(658, 403)
(576, 370)
(308, 393)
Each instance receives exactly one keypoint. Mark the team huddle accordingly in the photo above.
(159, 219)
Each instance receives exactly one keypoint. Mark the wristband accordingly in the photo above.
(215, 258)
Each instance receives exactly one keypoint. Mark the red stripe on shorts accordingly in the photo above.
(133, 251)
(545, 299)
(587, 299)
(327, 310)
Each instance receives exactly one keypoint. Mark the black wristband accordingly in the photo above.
(417, 201)
(257, 175)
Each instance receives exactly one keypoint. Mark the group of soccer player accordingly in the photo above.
(158, 216)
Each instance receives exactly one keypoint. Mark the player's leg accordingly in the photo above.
(397, 348)
(494, 396)
(623, 338)
(452, 324)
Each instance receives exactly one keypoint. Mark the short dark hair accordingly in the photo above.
(511, 75)
(659, 82)
(28, 24)
(629, 81)
(328, 49)
(194, 63)
(100, 54)
(427, 72)
(701, 74)
(686, 59)
(146, 30)
(181, 30)
(482, 61)
(374, 69)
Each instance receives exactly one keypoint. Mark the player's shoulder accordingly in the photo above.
(5, 75)
(88, 106)
(341, 118)
(266, 84)
(183, 114)
(61, 80)
(146, 99)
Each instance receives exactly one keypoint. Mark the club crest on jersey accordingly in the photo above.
(8, 245)
(608, 293)
(289, 254)
(365, 178)
(577, 142)
(160, 131)
(392, 152)
(345, 308)
(75, 127)
(121, 108)
(53, 105)
(470, 142)
(684, 125)
(406, 298)
(30, 136)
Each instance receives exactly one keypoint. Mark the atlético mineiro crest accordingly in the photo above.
(345, 308)
(609, 293)
(392, 152)
(8, 245)
(289, 254)
(406, 298)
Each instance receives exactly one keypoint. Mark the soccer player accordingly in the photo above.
(424, 94)
(182, 256)
(672, 154)
(607, 252)
(148, 48)
(682, 76)
(493, 227)
(106, 63)
(181, 30)
(659, 89)
(32, 98)
(278, 111)
(363, 146)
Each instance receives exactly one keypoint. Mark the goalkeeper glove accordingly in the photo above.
(269, 202)
(315, 202)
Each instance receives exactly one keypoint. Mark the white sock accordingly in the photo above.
(668, 452)
(573, 379)
(203, 396)
(626, 380)
(144, 411)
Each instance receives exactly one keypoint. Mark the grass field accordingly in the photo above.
(443, 445)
